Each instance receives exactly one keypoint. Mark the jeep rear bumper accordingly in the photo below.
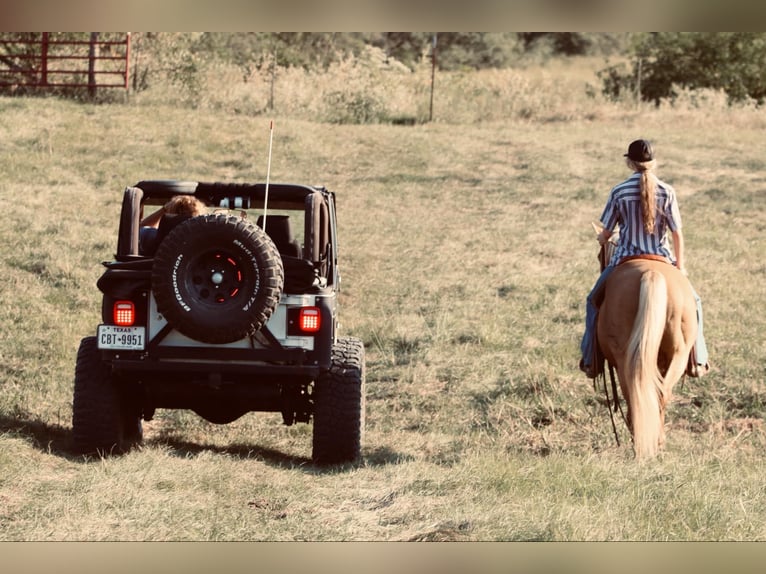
(219, 391)
(201, 369)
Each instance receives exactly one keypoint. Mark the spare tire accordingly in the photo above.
(217, 278)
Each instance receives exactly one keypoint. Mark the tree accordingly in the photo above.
(569, 43)
(19, 54)
(734, 62)
(292, 49)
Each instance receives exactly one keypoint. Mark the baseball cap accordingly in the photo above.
(640, 150)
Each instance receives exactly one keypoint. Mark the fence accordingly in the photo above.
(65, 60)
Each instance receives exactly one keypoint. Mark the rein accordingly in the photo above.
(615, 399)
(604, 255)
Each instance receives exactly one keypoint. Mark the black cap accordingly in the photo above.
(640, 150)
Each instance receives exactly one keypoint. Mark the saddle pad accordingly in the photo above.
(649, 256)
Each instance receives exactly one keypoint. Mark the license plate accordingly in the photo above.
(116, 338)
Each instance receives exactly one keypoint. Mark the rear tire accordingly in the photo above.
(103, 420)
(217, 278)
(339, 404)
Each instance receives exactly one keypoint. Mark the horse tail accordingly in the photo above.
(641, 364)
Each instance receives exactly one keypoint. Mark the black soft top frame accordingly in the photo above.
(240, 195)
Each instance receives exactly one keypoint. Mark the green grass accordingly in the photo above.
(466, 253)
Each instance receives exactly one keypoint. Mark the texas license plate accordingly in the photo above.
(112, 337)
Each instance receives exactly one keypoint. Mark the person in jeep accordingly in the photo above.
(177, 209)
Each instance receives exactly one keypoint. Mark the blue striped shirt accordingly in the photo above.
(624, 208)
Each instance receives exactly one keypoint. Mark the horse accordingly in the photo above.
(646, 328)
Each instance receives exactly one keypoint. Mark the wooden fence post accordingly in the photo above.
(44, 60)
(92, 55)
(433, 77)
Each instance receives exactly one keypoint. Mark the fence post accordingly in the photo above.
(127, 61)
(433, 75)
(92, 55)
(44, 60)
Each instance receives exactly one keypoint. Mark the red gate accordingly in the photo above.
(68, 60)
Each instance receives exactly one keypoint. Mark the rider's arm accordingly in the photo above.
(153, 220)
(678, 247)
(604, 236)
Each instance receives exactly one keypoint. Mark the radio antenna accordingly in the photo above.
(268, 174)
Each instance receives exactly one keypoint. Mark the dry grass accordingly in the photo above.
(467, 253)
(370, 89)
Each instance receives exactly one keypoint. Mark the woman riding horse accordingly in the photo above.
(645, 208)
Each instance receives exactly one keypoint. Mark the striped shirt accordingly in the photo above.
(624, 208)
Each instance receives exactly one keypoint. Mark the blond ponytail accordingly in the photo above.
(648, 191)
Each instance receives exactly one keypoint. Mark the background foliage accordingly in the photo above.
(651, 66)
(664, 64)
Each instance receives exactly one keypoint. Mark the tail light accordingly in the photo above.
(309, 320)
(124, 313)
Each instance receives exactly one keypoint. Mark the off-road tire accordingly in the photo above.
(339, 404)
(217, 278)
(103, 421)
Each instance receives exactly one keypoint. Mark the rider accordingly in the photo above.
(152, 229)
(645, 208)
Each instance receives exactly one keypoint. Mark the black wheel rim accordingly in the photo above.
(215, 278)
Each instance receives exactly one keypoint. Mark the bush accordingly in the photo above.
(664, 62)
(353, 107)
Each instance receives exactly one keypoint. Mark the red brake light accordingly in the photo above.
(310, 320)
(124, 313)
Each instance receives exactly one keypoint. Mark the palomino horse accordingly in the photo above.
(647, 325)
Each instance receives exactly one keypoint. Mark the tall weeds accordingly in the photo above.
(370, 89)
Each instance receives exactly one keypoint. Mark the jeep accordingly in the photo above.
(224, 313)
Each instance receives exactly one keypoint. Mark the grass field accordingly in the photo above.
(466, 253)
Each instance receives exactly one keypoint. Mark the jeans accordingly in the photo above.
(593, 302)
(700, 346)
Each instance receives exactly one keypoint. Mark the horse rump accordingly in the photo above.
(646, 328)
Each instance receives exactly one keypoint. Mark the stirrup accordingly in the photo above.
(693, 368)
(697, 370)
(589, 370)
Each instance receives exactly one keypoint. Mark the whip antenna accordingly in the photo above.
(268, 173)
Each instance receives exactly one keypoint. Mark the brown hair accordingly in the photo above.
(648, 190)
(184, 205)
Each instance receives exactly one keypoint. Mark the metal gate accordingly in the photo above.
(65, 60)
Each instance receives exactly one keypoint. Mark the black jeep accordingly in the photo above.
(222, 315)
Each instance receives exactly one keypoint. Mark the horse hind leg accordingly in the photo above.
(627, 395)
(673, 374)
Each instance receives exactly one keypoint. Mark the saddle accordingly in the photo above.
(648, 256)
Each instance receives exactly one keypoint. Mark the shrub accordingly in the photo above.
(353, 107)
(664, 62)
